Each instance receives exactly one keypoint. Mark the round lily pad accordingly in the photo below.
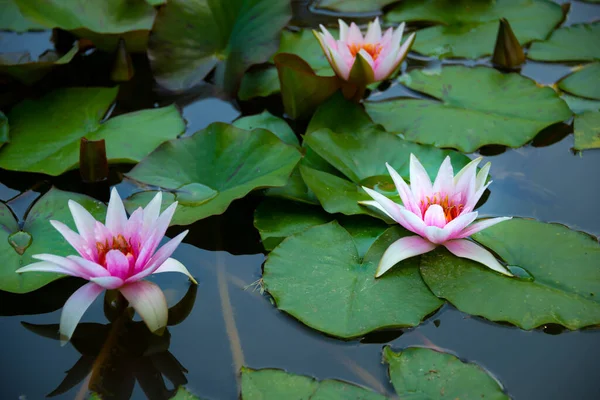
(572, 43)
(564, 265)
(191, 37)
(587, 130)
(268, 121)
(275, 384)
(353, 6)
(429, 374)
(473, 107)
(48, 130)
(319, 277)
(580, 105)
(208, 170)
(580, 82)
(468, 28)
(103, 22)
(36, 237)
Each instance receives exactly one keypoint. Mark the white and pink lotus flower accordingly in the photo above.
(441, 214)
(116, 255)
(364, 60)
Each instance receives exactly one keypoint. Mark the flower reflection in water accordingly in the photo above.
(116, 355)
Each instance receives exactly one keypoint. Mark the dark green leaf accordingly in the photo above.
(572, 43)
(335, 291)
(63, 117)
(581, 82)
(191, 37)
(103, 22)
(466, 116)
(208, 170)
(42, 236)
(268, 121)
(20, 66)
(11, 18)
(468, 28)
(275, 384)
(564, 264)
(353, 6)
(422, 373)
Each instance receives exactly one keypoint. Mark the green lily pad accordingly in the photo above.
(580, 83)
(587, 131)
(275, 384)
(358, 151)
(276, 220)
(11, 18)
(337, 165)
(184, 394)
(422, 373)
(36, 237)
(572, 43)
(335, 291)
(259, 83)
(468, 28)
(564, 264)
(48, 130)
(103, 22)
(467, 116)
(191, 37)
(268, 121)
(580, 105)
(20, 66)
(353, 6)
(225, 161)
(4, 129)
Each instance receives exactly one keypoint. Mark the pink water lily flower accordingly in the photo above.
(441, 214)
(116, 255)
(377, 55)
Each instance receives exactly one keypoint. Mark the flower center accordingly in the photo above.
(118, 243)
(372, 48)
(451, 209)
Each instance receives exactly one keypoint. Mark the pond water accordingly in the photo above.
(232, 324)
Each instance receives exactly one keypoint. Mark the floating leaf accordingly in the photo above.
(184, 394)
(276, 220)
(208, 170)
(564, 264)
(468, 28)
(580, 83)
(572, 43)
(259, 83)
(268, 121)
(103, 22)
(20, 66)
(11, 18)
(275, 384)
(429, 374)
(335, 291)
(579, 105)
(36, 237)
(191, 37)
(354, 6)
(354, 155)
(45, 133)
(301, 89)
(587, 130)
(466, 116)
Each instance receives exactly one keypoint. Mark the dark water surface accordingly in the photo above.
(232, 324)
